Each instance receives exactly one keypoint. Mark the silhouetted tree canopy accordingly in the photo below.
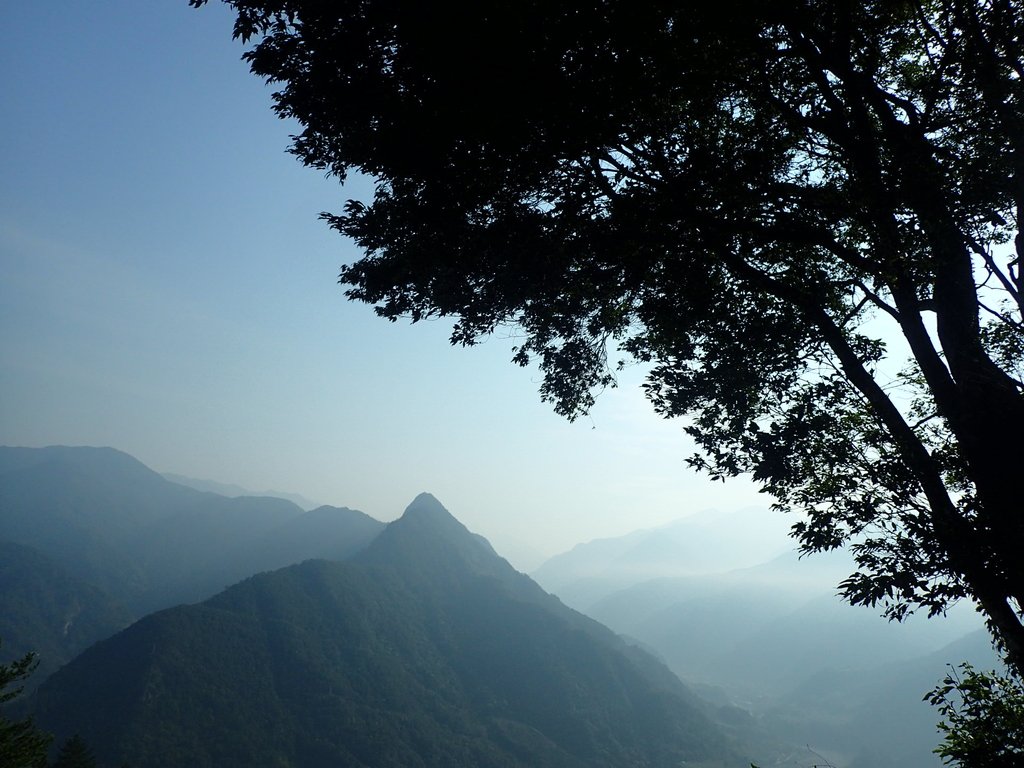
(767, 203)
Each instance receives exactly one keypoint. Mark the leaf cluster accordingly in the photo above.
(983, 718)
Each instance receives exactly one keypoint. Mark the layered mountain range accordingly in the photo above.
(191, 628)
(410, 644)
(424, 649)
(95, 539)
(838, 682)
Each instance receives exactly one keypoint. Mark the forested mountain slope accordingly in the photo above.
(46, 611)
(95, 539)
(426, 649)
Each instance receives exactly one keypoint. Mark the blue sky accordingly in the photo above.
(166, 288)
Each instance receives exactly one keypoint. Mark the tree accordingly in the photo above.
(802, 215)
(22, 745)
(983, 718)
(75, 753)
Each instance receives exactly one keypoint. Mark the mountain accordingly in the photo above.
(91, 539)
(425, 649)
(840, 704)
(149, 543)
(328, 533)
(82, 507)
(230, 489)
(706, 542)
(202, 551)
(755, 630)
(45, 610)
(776, 641)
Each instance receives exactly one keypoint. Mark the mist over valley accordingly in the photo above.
(176, 626)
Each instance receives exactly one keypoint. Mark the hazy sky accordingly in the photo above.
(167, 289)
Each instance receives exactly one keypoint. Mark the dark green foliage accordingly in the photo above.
(983, 719)
(75, 753)
(427, 650)
(22, 744)
(738, 195)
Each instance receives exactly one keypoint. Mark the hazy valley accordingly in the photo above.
(183, 627)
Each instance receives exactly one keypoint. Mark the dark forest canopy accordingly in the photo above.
(766, 203)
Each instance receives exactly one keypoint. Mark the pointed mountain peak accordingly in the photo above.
(428, 516)
(427, 506)
(428, 539)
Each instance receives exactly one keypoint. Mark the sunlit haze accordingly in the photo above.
(168, 290)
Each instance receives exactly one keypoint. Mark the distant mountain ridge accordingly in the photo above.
(232, 490)
(424, 649)
(709, 541)
(137, 542)
(91, 540)
(773, 637)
